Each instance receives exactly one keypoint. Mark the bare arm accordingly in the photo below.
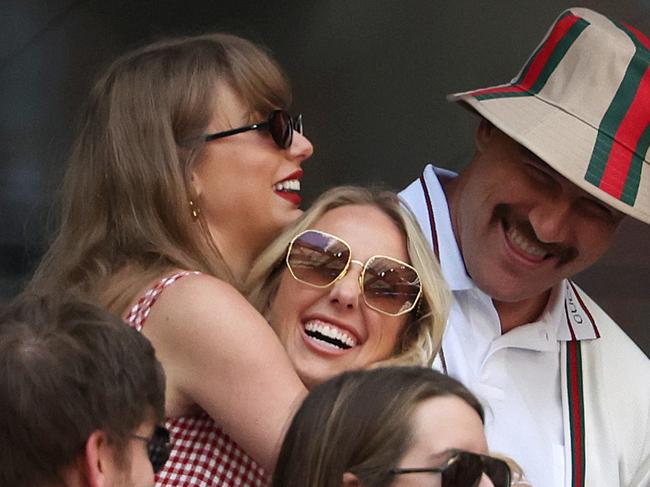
(220, 353)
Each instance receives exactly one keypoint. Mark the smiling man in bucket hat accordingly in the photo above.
(561, 157)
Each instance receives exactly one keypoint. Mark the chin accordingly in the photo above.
(515, 294)
(505, 290)
(293, 215)
(312, 380)
(281, 220)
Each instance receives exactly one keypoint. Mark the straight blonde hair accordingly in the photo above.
(421, 338)
(126, 217)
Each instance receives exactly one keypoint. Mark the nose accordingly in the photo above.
(345, 293)
(551, 219)
(300, 148)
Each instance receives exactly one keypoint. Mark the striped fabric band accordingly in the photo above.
(585, 310)
(616, 168)
(576, 412)
(432, 220)
(542, 63)
(436, 250)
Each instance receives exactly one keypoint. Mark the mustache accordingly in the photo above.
(563, 253)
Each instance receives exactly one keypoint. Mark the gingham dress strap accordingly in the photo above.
(139, 312)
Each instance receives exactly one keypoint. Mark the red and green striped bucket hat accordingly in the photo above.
(582, 104)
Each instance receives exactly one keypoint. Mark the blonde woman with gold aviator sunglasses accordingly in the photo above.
(352, 284)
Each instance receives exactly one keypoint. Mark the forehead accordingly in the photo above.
(228, 108)
(447, 422)
(367, 229)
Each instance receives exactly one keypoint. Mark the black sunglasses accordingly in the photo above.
(464, 469)
(158, 447)
(279, 124)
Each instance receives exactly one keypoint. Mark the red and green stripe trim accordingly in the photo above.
(432, 220)
(585, 309)
(542, 63)
(616, 168)
(576, 413)
(436, 250)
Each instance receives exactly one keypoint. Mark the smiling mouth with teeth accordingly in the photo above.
(290, 185)
(329, 335)
(534, 250)
(526, 245)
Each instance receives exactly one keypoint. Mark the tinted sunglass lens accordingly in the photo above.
(317, 259)
(159, 449)
(390, 286)
(297, 124)
(498, 471)
(464, 470)
(280, 128)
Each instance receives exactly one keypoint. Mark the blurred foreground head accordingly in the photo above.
(78, 391)
(385, 427)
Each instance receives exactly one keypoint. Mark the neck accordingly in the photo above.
(512, 315)
(238, 258)
(238, 251)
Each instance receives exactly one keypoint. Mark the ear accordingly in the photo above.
(350, 480)
(98, 461)
(484, 134)
(195, 183)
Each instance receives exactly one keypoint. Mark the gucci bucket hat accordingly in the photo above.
(582, 104)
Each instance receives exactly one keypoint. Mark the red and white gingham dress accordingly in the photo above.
(202, 454)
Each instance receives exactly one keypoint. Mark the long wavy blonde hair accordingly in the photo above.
(420, 339)
(125, 208)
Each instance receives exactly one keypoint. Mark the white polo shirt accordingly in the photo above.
(516, 376)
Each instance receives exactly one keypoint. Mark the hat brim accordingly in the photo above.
(560, 139)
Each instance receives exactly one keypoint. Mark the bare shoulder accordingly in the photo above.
(198, 301)
(196, 292)
(220, 354)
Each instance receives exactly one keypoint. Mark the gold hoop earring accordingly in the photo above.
(194, 210)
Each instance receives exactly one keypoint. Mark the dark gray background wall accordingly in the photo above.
(370, 77)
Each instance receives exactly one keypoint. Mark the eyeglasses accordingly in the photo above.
(388, 285)
(279, 124)
(464, 469)
(158, 447)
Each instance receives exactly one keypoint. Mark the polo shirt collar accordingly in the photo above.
(450, 258)
(575, 321)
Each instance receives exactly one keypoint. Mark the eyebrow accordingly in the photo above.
(443, 455)
(536, 159)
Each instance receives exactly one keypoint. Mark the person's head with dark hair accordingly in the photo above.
(388, 427)
(80, 396)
